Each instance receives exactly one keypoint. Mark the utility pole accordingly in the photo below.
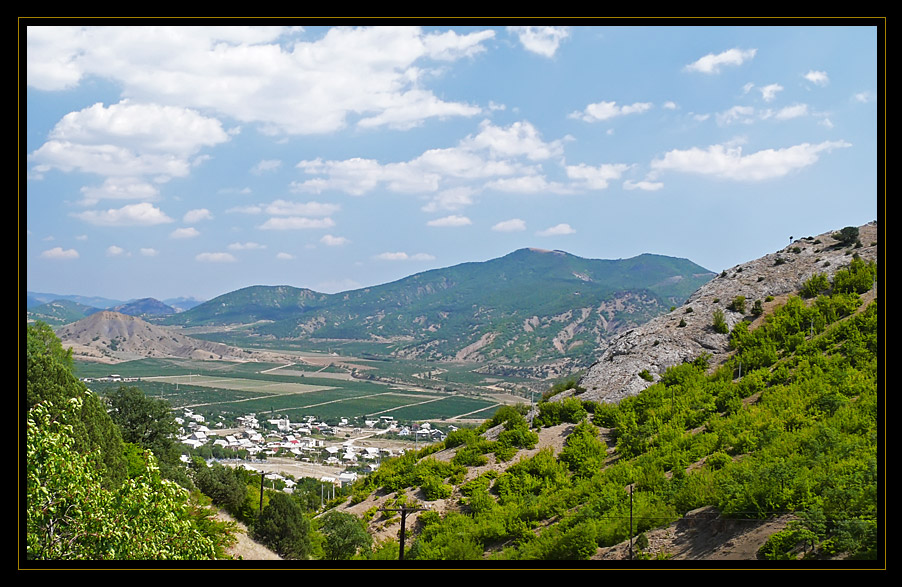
(404, 511)
(262, 477)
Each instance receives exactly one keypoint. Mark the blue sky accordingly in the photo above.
(193, 161)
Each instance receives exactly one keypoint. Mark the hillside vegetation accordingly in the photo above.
(795, 433)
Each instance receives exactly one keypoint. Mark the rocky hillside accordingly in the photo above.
(111, 336)
(686, 332)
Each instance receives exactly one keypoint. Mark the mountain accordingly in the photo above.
(112, 336)
(36, 298)
(182, 304)
(59, 312)
(144, 307)
(530, 305)
(663, 342)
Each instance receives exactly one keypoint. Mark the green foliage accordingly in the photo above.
(858, 277)
(815, 285)
(554, 413)
(223, 485)
(737, 304)
(70, 515)
(344, 535)
(644, 374)
(584, 453)
(283, 527)
(719, 322)
(847, 236)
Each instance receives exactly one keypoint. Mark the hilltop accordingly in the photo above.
(686, 332)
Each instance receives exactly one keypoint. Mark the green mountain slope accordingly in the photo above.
(530, 305)
(60, 312)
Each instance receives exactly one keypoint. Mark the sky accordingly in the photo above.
(191, 161)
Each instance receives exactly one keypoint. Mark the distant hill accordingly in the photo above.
(37, 298)
(59, 312)
(144, 307)
(112, 336)
(530, 305)
(182, 304)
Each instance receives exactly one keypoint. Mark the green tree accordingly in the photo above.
(283, 527)
(719, 322)
(344, 535)
(70, 515)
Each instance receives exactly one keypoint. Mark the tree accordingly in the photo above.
(847, 235)
(149, 423)
(719, 323)
(70, 515)
(283, 527)
(344, 535)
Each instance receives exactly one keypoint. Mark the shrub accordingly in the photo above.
(847, 236)
(737, 305)
(644, 374)
(719, 324)
(815, 285)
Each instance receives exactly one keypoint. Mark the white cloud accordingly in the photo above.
(284, 256)
(817, 77)
(401, 256)
(595, 178)
(669, 105)
(793, 111)
(644, 185)
(527, 184)
(296, 223)
(119, 188)
(736, 114)
(192, 216)
(711, 63)
(769, 92)
(128, 140)
(334, 241)
(557, 230)
(862, 97)
(149, 252)
(729, 162)
(187, 232)
(542, 40)
(512, 225)
(215, 258)
(266, 165)
(286, 208)
(249, 246)
(143, 214)
(450, 199)
(269, 77)
(114, 251)
(607, 110)
(520, 139)
(452, 220)
(60, 253)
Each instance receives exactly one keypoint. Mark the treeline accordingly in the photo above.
(787, 425)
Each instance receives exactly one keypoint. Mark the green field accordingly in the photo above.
(222, 389)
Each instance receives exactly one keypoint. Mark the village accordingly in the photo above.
(333, 454)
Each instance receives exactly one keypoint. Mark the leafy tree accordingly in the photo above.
(221, 484)
(49, 379)
(283, 527)
(847, 235)
(149, 423)
(719, 322)
(737, 305)
(70, 514)
(344, 534)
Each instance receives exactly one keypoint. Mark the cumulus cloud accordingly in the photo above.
(286, 208)
(557, 230)
(296, 223)
(769, 92)
(284, 256)
(269, 77)
(450, 199)
(248, 246)
(215, 257)
(182, 233)
(730, 163)
(542, 40)
(59, 253)
(595, 178)
(128, 140)
(493, 152)
(512, 225)
(265, 166)
(644, 185)
(453, 220)
(114, 251)
(192, 216)
(334, 241)
(119, 188)
(712, 63)
(148, 252)
(793, 111)
(143, 214)
(607, 110)
(736, 114)
(818, 78)
(669, 105)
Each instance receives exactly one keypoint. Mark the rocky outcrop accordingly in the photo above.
(686, 332)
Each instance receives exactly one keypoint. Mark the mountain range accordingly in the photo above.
(531, 305)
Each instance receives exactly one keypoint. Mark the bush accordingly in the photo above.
(719, 322)
(644, 374)
(815, 285)
(737, 305)
(847, 236)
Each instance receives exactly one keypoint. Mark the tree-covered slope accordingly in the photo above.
(787, 424)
